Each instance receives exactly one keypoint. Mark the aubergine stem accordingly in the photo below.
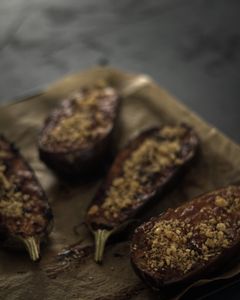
(32, 245)
(101, 236)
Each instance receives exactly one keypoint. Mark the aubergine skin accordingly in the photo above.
(77, 135)
(189, 243)
(140, 172)
(25, 214)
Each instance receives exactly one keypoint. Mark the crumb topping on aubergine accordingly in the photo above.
(140, 171)
(77, 135)
(81, 120)
(24, 211)
(144, 165)
(188, 240)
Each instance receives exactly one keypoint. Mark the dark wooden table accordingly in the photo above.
(192, 48)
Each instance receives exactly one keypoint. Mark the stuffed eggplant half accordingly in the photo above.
(25, 215)
(77, 135)
(141, 170)
(190, 242)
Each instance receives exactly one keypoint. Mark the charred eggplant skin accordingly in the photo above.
(25, 214)
(77, 135)
(213, 234)
(140, 172)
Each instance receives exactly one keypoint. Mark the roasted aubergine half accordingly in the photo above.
(77, 135)
(25, 214)
(139, 173)
(191, 242)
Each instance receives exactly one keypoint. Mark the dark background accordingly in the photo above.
(190, 47)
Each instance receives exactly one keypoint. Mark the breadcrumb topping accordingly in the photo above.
(178, 245)
(86, 117)
(146, 163)
(19, 211)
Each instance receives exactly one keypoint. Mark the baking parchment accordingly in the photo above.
(73, 274)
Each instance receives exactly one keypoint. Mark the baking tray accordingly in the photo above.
(67, 269)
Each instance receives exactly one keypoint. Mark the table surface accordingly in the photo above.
(192, 48)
